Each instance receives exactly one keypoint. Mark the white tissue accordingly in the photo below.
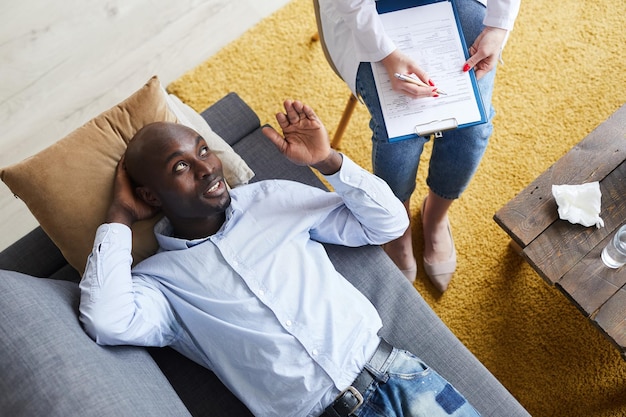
(579, 203)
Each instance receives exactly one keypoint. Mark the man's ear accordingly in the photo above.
(147, 196)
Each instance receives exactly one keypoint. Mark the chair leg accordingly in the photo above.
(343, 123)
(347, 113)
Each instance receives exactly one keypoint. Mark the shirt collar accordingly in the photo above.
(163, 232)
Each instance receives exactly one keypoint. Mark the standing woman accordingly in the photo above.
(355, 37)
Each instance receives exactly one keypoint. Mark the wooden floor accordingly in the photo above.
(61, 65)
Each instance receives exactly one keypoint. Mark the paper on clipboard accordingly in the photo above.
(430, 35)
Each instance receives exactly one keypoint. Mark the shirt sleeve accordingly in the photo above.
(369, 212)
(371, 42)
(116, 308)
(502, 13)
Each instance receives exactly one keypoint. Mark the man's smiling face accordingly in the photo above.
(179, 173)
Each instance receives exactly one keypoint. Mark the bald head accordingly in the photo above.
(145, 150)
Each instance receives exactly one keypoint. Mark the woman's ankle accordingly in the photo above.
(401, 252)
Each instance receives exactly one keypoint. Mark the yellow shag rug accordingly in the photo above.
(564, 73)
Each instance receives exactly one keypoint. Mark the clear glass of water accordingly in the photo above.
(614, 254)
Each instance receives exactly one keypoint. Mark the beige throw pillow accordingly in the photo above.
(68, 186)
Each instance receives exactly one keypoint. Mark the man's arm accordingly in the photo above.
(369, 213)
(114, 308)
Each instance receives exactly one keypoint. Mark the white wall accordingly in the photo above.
(62, 63)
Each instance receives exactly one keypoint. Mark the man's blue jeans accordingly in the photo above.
(406, 387)
(455, 156)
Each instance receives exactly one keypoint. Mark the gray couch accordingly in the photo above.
(49, 367)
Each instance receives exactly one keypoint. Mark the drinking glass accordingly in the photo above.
(614, 254)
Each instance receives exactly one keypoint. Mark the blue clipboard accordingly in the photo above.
(436, 126)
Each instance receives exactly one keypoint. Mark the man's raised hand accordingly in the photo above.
(305, 140)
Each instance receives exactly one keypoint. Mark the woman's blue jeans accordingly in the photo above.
(406, 387)
(455, 156)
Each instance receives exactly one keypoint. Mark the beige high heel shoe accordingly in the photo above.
(440, 273)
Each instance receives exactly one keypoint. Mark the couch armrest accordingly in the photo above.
(51, 367)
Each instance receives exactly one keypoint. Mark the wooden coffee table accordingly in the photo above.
(567, 255)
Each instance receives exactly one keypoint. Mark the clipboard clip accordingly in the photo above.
(435, 128)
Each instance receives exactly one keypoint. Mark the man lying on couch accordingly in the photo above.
(242, 285)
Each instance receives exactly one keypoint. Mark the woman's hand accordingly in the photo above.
(485, 51)
(397, 62)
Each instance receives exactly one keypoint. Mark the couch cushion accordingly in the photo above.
(68, 186)
(50, 367)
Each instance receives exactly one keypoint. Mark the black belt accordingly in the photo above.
(351, 398)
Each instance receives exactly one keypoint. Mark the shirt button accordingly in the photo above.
(288, 323)
(261, 293)
(315, 352)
